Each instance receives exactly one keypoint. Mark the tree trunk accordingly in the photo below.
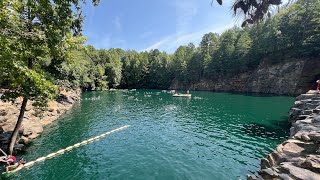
(15, 132)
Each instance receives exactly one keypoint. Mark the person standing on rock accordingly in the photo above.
(318, 84)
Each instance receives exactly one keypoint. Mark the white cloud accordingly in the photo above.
(172, 42)
(117, 23)
(185, 12)
(159, 44)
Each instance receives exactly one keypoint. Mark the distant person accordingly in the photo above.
(15, 165)
(318, 85)
(8, 159)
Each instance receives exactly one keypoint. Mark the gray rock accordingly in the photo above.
(265, 163)
(316, 119)
(312, 163)
(297, 172)
(269, 173)
(305, 137)
(300, 117)
(295, 112)
(308, 112)
(315, 137)
(19, 147)
(285, 176)
(316, 111)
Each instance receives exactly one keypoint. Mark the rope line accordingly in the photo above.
(62, 151)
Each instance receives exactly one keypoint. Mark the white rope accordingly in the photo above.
(3, 152)
(61, 151)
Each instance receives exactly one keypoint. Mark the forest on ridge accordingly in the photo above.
(292, 33)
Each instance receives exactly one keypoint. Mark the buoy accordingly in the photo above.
(91, 139)
(61, 151)
(69, 148)
(51, 155)
(77, 145)
(40, 159)
(29, 164)
(96, 138)
(84, 142)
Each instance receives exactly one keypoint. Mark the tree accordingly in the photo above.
(225, 53)
(179, 63)
(34, 42)
(254, 11)
(242, 49)
(114, 68)
(208, 47)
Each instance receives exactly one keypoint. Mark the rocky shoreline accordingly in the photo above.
(32, 125)
(299, 156)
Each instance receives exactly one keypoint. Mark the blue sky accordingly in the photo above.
(149, 24)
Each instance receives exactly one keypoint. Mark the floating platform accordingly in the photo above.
(181, 95)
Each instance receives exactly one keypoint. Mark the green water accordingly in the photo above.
(210, 136)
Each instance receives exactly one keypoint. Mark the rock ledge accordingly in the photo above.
(299, 156)
(32, 125)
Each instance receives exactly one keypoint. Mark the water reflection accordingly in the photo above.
(279, 130)
(209, 136)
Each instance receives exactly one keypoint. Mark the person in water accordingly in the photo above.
(15, 164)
(8, 159)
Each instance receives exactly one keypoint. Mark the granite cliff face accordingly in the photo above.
(32, 125)
(299, 156)
(288, 78)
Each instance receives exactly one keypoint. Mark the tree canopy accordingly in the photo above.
(41, 46)
(36, 37)
(234, 51)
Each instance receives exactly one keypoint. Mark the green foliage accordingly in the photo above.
(60, 58)
(35, 41)
(234, 51)
(114, 67)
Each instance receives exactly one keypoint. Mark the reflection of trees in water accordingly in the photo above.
(278, 130)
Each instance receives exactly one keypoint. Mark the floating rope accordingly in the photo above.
(69, 148)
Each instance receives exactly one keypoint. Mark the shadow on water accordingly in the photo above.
(278, 130)
(252, 94)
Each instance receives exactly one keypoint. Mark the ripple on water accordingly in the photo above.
(215, 136)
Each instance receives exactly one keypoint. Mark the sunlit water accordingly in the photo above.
(209, 136)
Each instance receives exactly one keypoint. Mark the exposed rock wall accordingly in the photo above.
(32, 125)
(299, 156)
(288, 78)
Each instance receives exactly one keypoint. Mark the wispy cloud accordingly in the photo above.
(185, 12)
(172, 42)
(117, 23)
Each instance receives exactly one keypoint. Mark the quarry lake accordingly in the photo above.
(208, 136)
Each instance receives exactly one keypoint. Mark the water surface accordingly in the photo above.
(209, 136)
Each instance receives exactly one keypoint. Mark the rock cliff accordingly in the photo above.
(292, 77)
(299, 156)
(32, 125)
